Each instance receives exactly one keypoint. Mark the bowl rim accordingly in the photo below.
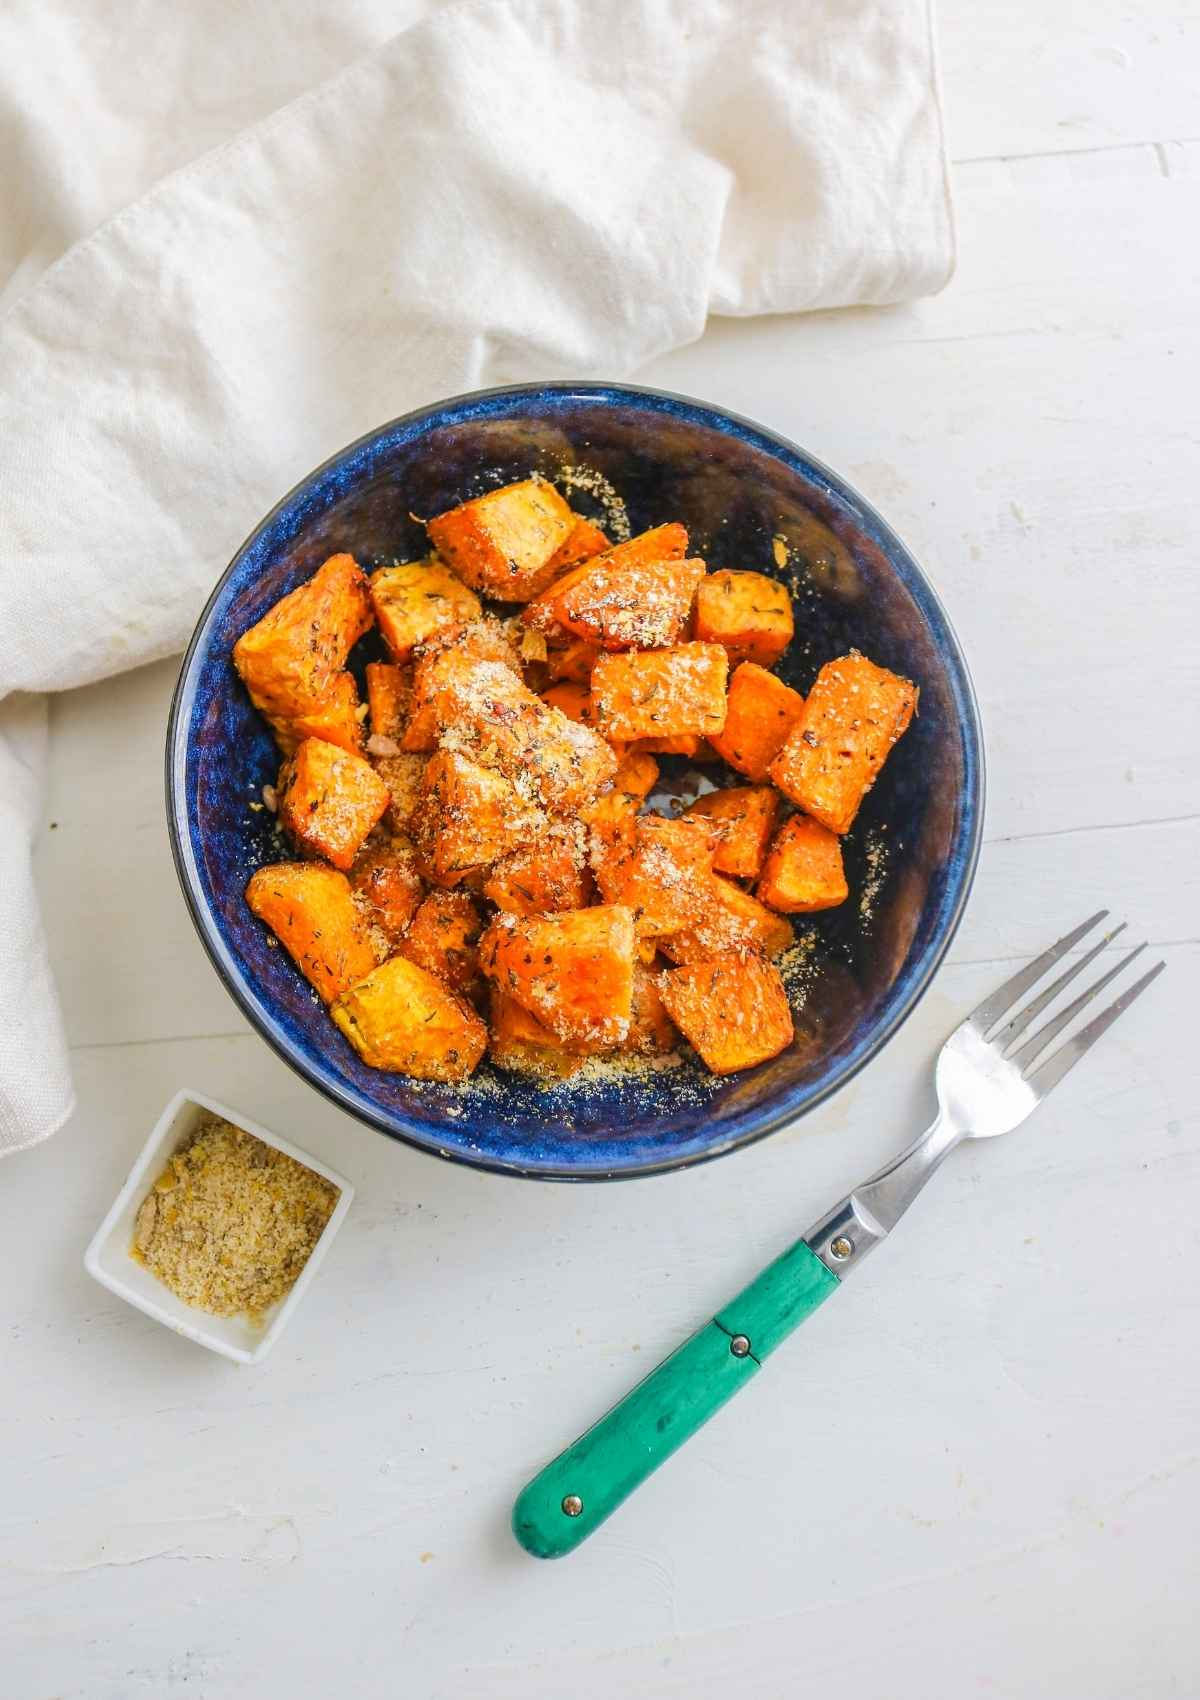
(721, 418)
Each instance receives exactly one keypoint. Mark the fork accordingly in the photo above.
(989, 1080)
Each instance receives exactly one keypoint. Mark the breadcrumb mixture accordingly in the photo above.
(231, 1222)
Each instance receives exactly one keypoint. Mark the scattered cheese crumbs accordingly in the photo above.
(779, 549)
(875, 855)
(270, 798)
(231, 1222)
(379, 744)
(596, 485)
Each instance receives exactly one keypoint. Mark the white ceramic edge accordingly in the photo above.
(151, 1152)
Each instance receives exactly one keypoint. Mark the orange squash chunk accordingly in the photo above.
(629, 607)
(660, 869)
(466, 816)
(574, 662)
(337, 718)
(329, 800)
(855, 713)
(388, 886)
(689, 745)
(732, 1009)
(803, 871)
(761, 712)
(651, 1030)
(491, 715)
(389, 699)
(402, 1018)
(632, 783)
(574, 700)
(452, 652)
(289, 660)
(661, 693)
(749, 613)
(311, 911)
(415, 599)
(506, 543)
(402, 776)
(651, 548)
(582, 542)
(733, 920)
(746, 816)
(574, 971)
(520, 1044)
(543, 877)
(444, 940)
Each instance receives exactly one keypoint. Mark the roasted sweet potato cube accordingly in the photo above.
(337, 718)
(748, 613)
(689, 744)
(389, 700)
(746, 816)
(402, 1018)
(854, 714)
(388, 886)
(505, 543)
(661, 693)
(582, 542)
(632, 783)
(520, 1044)
(803, 871)
(311, 911)
(660, 869)
(444, 939)
(543, 877)
(629, 607)
(488, 712)
(451, 653)
(466, 816)
(415, 599)
(328, 801)
(733, 1009)
(574, 661)
(651, 1030)
(402, 776)
(733, 920)
(574, 971)
(662, 543)
(761, 711)
(575, 701)
(288, 661)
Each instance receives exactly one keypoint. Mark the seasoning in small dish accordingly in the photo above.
(230, 1222)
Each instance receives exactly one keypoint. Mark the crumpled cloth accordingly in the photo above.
(233, 238)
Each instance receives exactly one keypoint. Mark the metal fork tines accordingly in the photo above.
(992, 1011)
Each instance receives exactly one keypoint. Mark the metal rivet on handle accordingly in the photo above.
(572, 1505)
(841, 1248)
(740, 1346)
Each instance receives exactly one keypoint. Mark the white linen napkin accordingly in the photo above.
(506, 189)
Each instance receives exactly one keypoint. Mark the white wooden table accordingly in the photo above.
(979, 1471)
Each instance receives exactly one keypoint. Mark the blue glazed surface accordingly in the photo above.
(736, 487)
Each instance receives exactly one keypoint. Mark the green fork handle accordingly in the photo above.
(571, 1497)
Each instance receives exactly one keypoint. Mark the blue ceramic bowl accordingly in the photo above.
(737, 488)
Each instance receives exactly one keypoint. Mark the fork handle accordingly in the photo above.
(572, 1496)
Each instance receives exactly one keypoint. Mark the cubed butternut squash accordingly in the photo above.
(402, 776)
(329, 800)
(337, 718)
(466, 816)
(444, 940)
(415, 599)
(746, 817)
(449, 653)
(748, 613)
(760, 713)
(651, 1031)
(389, 700)
(573, 971)
(573, 661)
(661, 693)
(629, 607)
(545, 876)
(574, 700)
(732, 1009)
(803, 871)
(311, 911)
(505, 544)
(853, 717)
(632, 783)
(733, 920)
(582, 542)
(388, 885)
(404, 1019)
(490, 715)
(660, 869)
(661, 543)
(289, 659)
(520, 1044)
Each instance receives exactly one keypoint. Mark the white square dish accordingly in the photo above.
(108, 1259)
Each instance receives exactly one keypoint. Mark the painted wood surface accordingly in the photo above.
(978, 1471)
